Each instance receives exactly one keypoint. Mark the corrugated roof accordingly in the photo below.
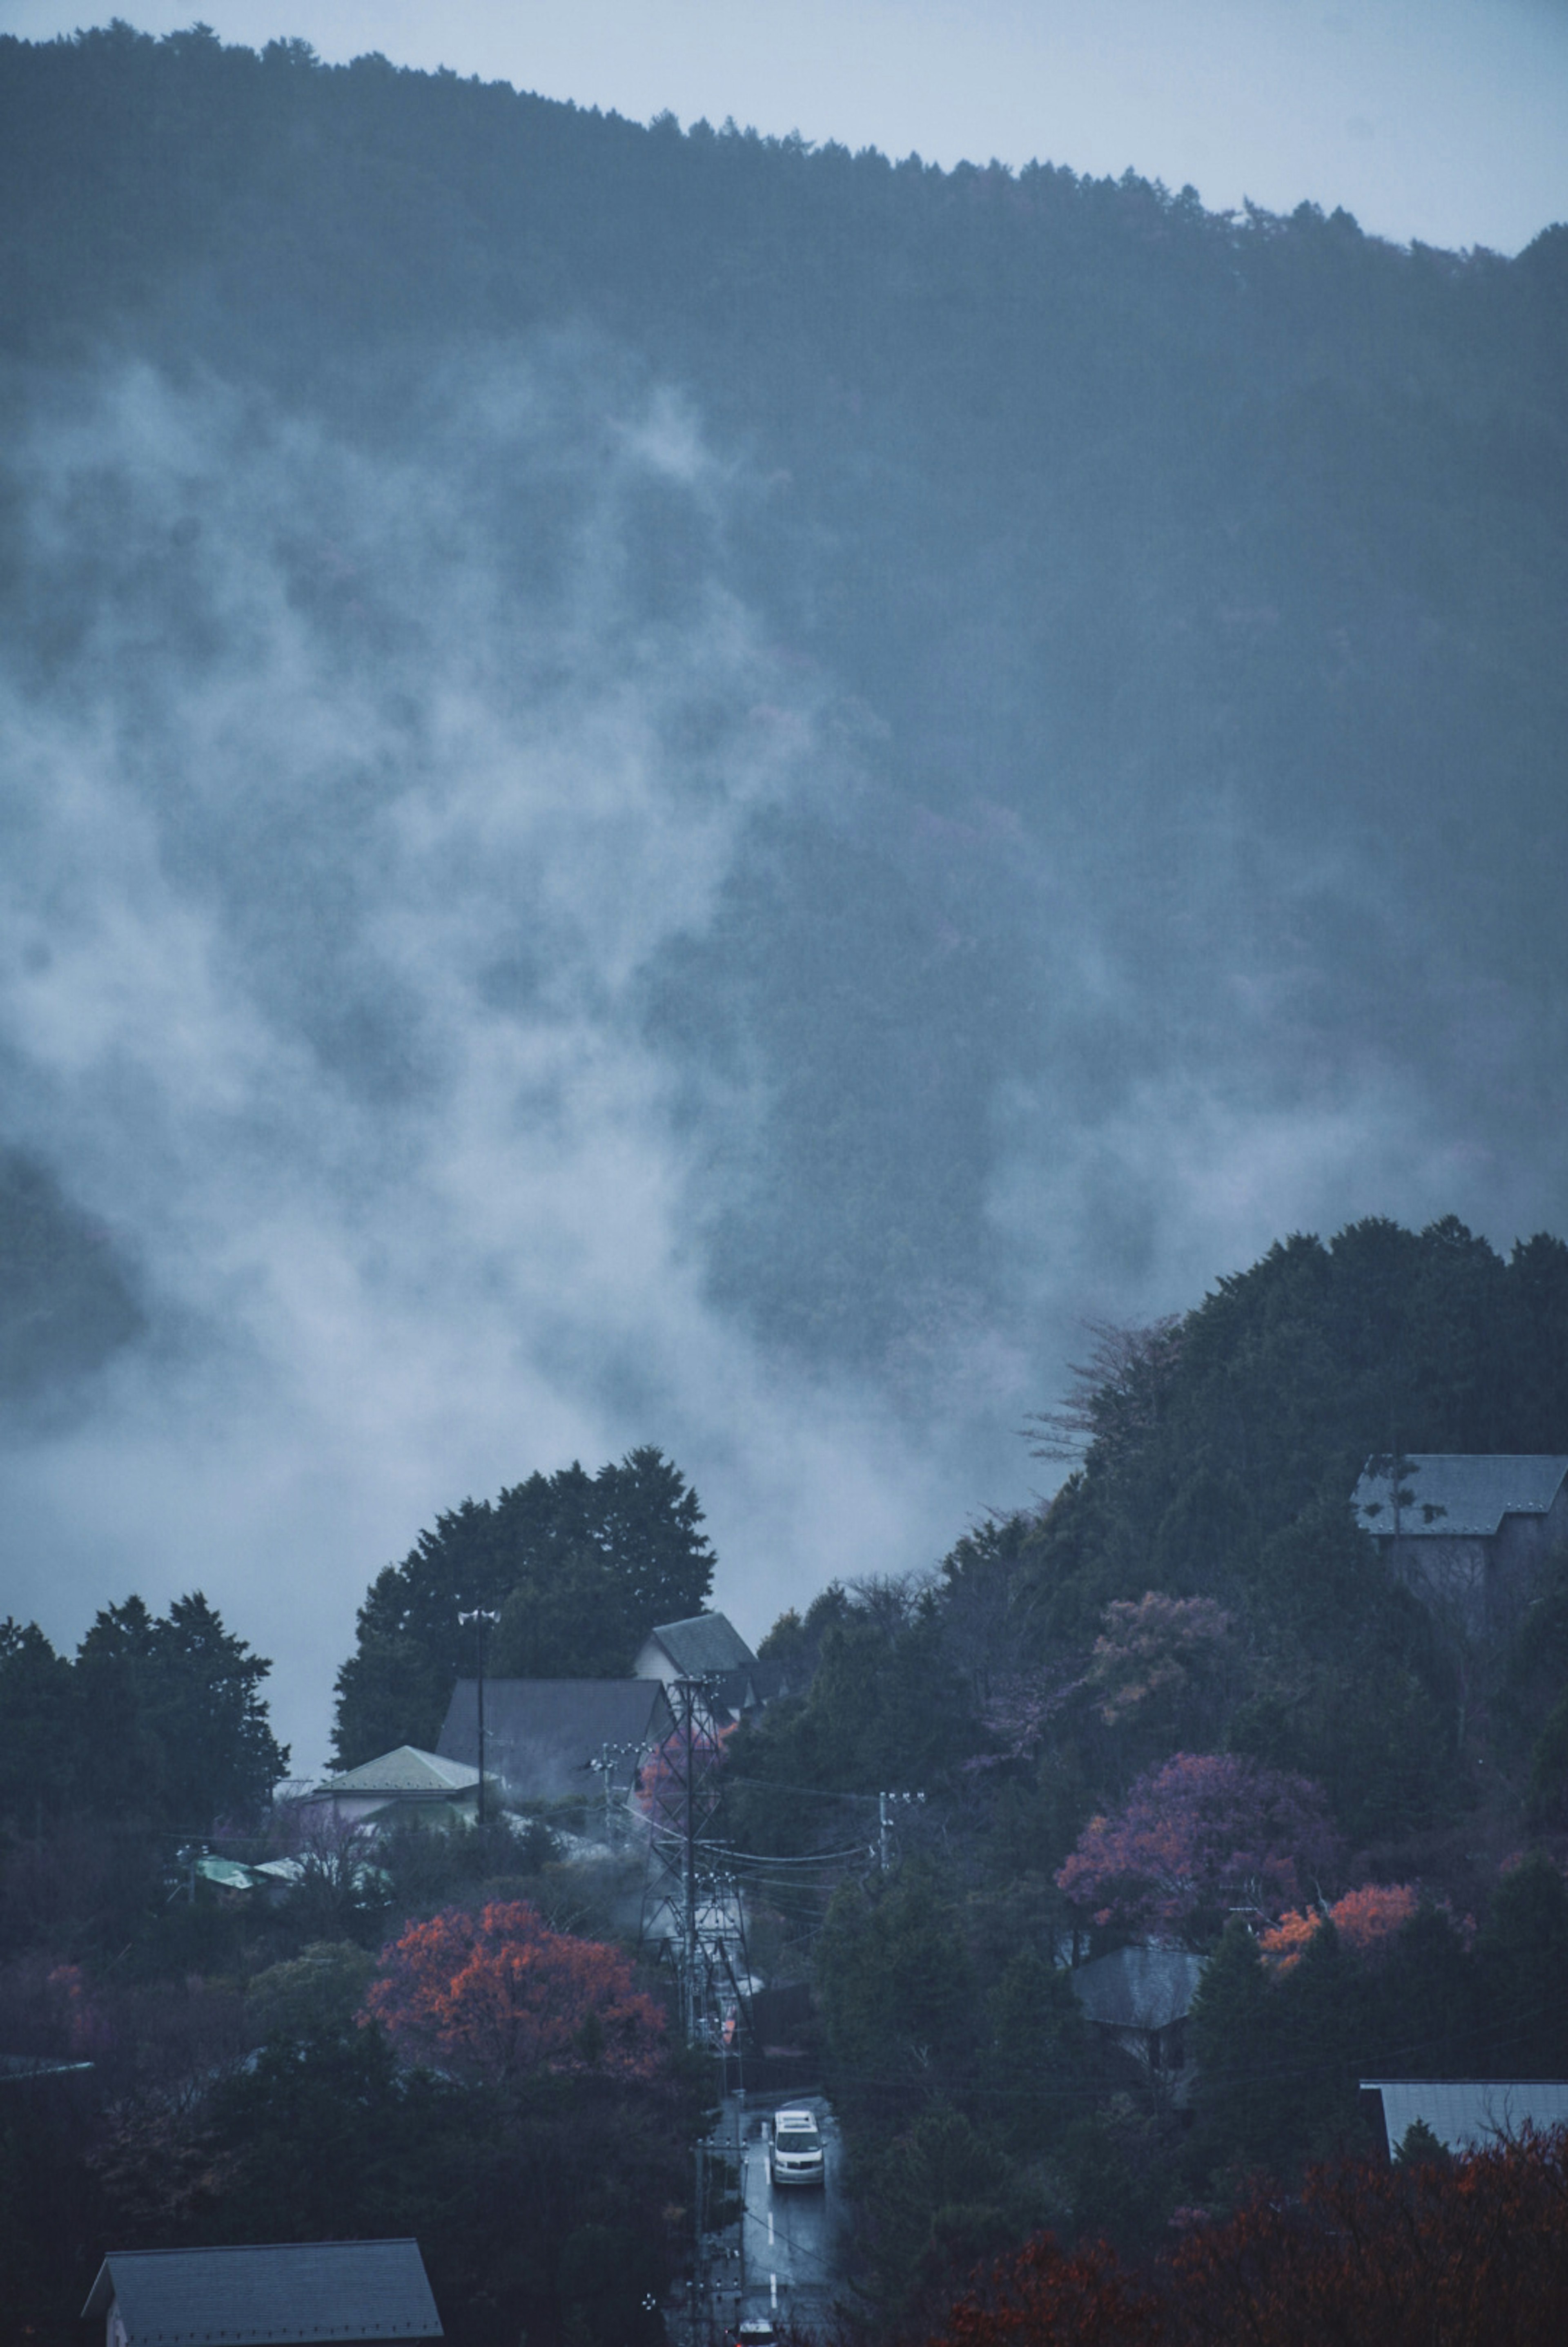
(407, 1770)
(705, 1646)
(541, 1737)
(1138, 1988)
(265, 2297)
(1457, 1493)
(1467, 2114)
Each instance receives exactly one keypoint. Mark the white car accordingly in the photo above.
(795, 2148)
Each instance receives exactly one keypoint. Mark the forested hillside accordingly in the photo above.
(1160, 614)
(1186, 1701)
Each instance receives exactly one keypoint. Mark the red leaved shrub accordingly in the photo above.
(499, 1994)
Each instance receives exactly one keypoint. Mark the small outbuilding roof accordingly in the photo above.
(708, 1646)
(285, 2294)
(1457, 1493)
(1467, 2114)
(407, 1770)
(544, 1738)
(1138, 1988)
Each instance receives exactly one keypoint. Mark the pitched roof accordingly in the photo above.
(1138, 1988)
(1467, 1493)
(704, 1647)
(408, 1770)
(262, 2297)
(1467, 2114)
(544, 1737)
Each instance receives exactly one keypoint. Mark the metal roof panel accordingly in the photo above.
(298, 2291)
(1467, 2114)
(1458, 1493)
(707, 1645)
(544, 1737)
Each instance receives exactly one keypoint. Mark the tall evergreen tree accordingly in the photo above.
(580, 1567)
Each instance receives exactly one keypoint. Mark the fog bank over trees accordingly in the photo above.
(669, 789)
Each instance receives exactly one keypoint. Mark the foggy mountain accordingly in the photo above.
(663, 787)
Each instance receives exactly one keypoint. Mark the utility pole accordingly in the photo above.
(699, 2263)
(689, 1873)
(604, 1768)
(483, 1618)
(696, 1922)
(885, 1824)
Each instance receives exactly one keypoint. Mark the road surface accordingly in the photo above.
(781, 2260)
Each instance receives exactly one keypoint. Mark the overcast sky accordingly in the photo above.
(1441, 119)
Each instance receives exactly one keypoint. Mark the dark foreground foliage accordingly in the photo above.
(1456, 2254)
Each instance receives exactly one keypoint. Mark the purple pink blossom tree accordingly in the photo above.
(1206, 1834)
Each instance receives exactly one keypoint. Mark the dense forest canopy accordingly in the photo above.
(158, 1719)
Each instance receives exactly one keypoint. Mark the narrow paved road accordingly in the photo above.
(789, 2236)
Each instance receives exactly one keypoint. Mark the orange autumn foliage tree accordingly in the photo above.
(499, 1994)
(1466, 2254)
(1365, 1920)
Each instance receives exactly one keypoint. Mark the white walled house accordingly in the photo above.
(407, 1786)
(708, 1647)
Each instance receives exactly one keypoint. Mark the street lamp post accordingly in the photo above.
(483, 1618)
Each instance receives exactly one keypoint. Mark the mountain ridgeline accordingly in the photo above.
(1172, 604)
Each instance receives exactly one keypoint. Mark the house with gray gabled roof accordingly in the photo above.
(708, 1647)
(553, 1741)
(285, 2294)
(1139, 1999)
(1469, 1532)
(1468, 2113)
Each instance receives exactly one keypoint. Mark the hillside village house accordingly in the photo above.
(405, 1787)
(1138, 2000)
(708, 1647)
(354, 2293)
(1469, 1533)
(579, 1745)
(554, 1742)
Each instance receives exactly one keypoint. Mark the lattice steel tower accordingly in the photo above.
(692, 1913)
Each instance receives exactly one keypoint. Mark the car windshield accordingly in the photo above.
(797, 2139)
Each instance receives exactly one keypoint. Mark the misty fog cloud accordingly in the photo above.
(501, 1006)
(344, 825)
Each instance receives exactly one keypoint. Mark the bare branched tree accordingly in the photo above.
(1115, 1393)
